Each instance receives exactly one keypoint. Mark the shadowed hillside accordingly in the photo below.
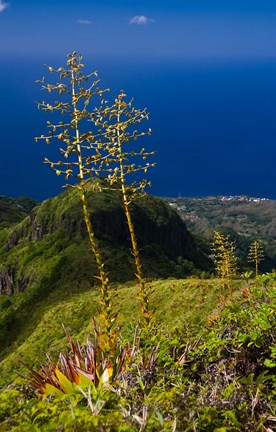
(13, 210)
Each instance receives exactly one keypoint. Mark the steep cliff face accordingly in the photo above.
(11, 281)
(158, 224)
(7, 282)
(55, 230)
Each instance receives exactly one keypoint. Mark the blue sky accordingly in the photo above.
(168, 28)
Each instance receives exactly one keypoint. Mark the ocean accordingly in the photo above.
(213, 123)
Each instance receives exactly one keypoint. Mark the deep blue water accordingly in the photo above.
(214, 125)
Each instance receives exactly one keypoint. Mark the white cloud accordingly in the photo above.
(83, 21)
(3, 6)
(140, 20)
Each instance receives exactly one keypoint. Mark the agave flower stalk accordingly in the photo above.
(225, 260)
(256, 255)
(117, 127)
(80, 152)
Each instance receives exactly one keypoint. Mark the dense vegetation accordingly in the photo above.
(209, 366)
(245, 219)
(14, 209)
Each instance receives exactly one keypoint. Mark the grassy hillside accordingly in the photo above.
(245, 219)
(209, 367)
(39, 331)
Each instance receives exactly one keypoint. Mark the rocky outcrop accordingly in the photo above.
(11, 282)
(36, 231)
(20, 232)
(7, 282)
(22, 283)
(29, 230)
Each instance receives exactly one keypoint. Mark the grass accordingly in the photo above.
(178, 303)
(208, 366)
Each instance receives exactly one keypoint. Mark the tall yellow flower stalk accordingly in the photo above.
(225, 260)
(80, 150)
(117, 125)
(256, 255)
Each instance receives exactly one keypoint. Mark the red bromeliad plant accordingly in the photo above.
(84, 366)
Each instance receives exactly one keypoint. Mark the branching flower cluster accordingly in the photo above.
(225, 259)
(117, 125)
(256, 255)
(94, 139)
(80, 149)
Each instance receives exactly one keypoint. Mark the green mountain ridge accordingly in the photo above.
(244, 218)
(160, 231)
(48, 250)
